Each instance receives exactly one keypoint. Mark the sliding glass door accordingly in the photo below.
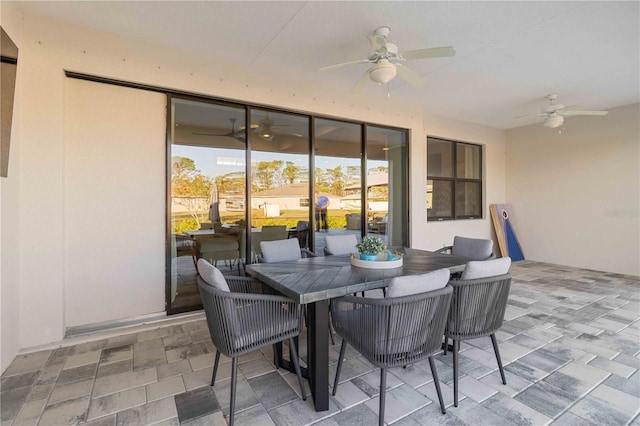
(207, 193)
(387, 188)
(239, 175)
(338, 179)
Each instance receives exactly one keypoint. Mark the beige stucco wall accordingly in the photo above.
(10, 223)
(39, 296)
(576, 195)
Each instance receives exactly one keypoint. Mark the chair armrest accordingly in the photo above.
(307, 253)
(444, 249)
(244, 285)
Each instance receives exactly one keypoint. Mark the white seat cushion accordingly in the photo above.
(212, 275)
(486, 268)
(414, 284)
(280, 250)
(341, 244)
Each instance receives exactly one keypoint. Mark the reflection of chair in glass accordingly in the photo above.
(242, 320)
(301, 232)
(477, 308)
(213, 248)
(185, 246)
(340, 244)
(379, 225)
(273, 232)
(401, 329)
(353, 221)
(471, 248)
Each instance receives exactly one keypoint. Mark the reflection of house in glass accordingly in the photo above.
(288, 197)
(378, 194)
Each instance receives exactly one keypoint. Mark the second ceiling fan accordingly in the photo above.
(386, 60)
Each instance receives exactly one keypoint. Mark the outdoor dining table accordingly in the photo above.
(315, 281)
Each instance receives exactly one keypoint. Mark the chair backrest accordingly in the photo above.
(472, 248)
(414, 284)
(280, 250)
(477, 306)
(212, 275)
(302, 225)
(340, 244)
(393, 331)
(275, 232)
(486, 268)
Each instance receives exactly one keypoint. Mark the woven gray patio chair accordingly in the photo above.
(477, 308)
(340, 244)
(241, 319)
(471, 248)
(401, 329)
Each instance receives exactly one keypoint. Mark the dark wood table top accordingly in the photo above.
(318, 278)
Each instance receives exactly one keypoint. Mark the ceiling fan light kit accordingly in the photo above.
(383, 72)
(386, 59)
(553, 121)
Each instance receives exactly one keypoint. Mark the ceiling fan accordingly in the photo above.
(386, 60)
(265, 128)
(554, 113)
(236, 134)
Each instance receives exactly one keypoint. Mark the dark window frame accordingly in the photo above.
(455, 180)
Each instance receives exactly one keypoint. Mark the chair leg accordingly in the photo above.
(446, 344)
(456, 348)
(215, 368)
(436, 382)
(296, 365)
(383, 394)
(234, 377)
(333, 341)
(343, 349)
(497, 351)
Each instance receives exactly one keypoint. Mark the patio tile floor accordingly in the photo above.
(570, 344)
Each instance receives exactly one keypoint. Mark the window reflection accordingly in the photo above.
(279, 176)
(338, 179)
(207, 193)
(387, 184)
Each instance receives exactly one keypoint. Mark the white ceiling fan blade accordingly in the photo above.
(377, 42)
(542, 114)
(409, 76)
(433, 52)
(363, 80)
(579, 112)
(332, 67)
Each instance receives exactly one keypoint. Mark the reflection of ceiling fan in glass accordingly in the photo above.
(236, 134)
(266, 129)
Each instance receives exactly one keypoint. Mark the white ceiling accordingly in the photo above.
(509, 54)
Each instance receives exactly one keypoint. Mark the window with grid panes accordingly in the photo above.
(454, 180)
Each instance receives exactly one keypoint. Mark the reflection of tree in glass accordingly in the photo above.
(190, 188)
(266, 175)
(379, 193)
(231, 183)
(290, 172)
(332, 181)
